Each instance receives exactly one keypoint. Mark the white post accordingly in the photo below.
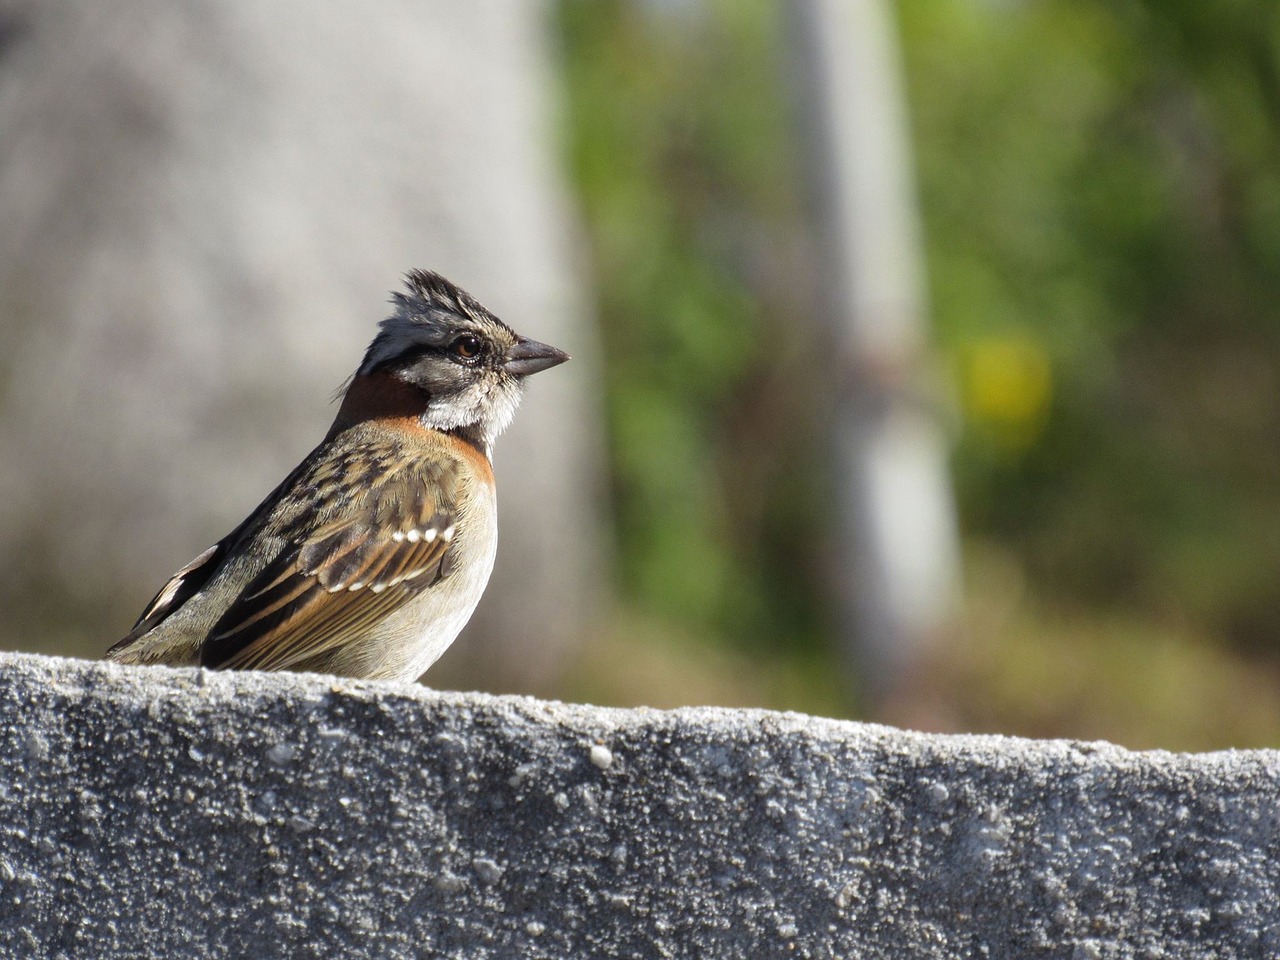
(897, 556)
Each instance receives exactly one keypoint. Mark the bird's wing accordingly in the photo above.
(375, 530)
(181, 587)
(195, 576)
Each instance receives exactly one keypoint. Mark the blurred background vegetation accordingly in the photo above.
(201, 210)
(1100, 185)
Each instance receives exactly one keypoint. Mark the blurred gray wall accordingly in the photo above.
(203, 206)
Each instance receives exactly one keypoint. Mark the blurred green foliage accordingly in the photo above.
(1100, 186)
(680, 146)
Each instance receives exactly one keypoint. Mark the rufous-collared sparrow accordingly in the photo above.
(372, 554)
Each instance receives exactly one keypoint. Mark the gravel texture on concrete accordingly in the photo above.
(180, 813)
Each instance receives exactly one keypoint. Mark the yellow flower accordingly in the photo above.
(1007, 384)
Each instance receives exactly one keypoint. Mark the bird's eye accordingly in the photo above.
(466, 347)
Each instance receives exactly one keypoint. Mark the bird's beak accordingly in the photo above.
(530, 356)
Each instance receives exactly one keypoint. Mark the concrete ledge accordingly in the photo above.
(159, 813)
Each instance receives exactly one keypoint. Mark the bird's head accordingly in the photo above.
(462, 365)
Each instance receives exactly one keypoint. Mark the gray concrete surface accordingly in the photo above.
(156, 813)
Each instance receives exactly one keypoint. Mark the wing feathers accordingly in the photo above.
(181, 587)
(379, 548)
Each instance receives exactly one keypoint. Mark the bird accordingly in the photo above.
(370, 557)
